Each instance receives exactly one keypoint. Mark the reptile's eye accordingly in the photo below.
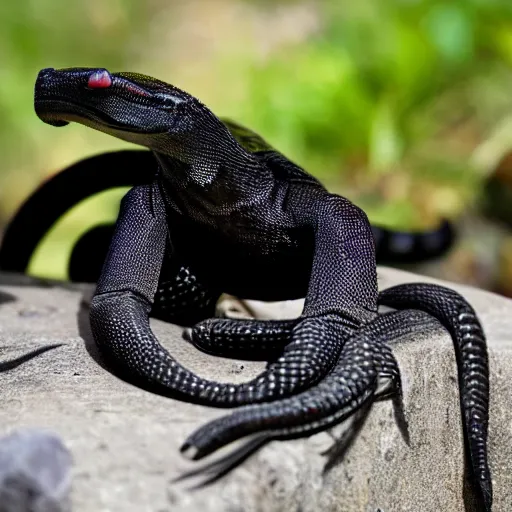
(100, 79)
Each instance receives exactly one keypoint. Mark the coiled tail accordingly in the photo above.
(459, 318)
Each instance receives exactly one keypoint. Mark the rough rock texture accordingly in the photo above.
(35, 473)
(125, 441)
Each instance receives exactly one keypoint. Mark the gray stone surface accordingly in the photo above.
(125, 441)
(35, 472)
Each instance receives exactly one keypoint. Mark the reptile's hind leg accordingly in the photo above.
(352, 382)
(459, 318)
(181, 297)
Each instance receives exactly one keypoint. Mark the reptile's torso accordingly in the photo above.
(256, 250)
(236, 267)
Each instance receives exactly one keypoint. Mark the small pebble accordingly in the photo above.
(35, 473)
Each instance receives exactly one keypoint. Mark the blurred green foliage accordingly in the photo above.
(50, 33)
(389, 91)
(385, 101)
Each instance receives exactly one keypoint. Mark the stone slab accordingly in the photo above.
(125, 441)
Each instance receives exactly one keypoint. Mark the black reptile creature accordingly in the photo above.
(217, 210)
(83, 256)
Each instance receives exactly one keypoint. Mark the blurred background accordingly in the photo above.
(404, 106)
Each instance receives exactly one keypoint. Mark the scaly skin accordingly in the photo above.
(461, 321)
(222, 201)
(365, 360)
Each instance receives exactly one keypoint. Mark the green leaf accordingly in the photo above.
(451, 30)
(386, 145)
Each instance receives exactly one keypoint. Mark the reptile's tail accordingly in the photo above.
(394, 247)
(58, 196)
(456, 315)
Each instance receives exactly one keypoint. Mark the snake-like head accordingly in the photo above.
(130, 106)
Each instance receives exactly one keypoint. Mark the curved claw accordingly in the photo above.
(220, 467)
(456, 315)
(351, 383)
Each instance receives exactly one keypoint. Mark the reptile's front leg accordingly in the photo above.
(365, 360)
(124, 295)
(342, 296)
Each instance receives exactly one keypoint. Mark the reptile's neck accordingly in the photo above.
(212, 168)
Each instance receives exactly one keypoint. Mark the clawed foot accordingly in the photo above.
(303, 351)
(364, 366)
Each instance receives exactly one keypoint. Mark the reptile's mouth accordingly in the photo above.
(48, 116)
(61, 111)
